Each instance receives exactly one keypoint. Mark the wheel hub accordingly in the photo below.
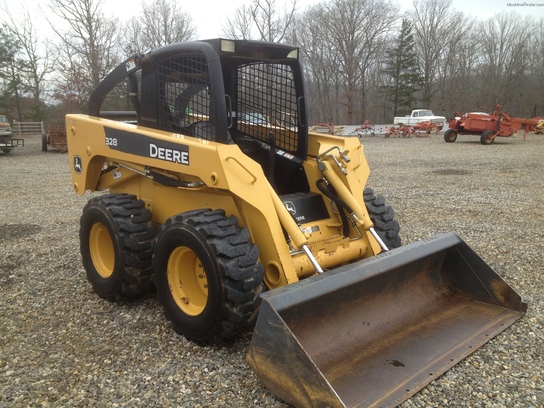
(187, 281)
(101, 249)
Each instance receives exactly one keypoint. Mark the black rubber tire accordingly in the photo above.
(116, 241)
(44, 142)
(450, 136)
(219, 274)
(383, 218)
(486, 138)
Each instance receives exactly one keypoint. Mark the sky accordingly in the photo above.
(210, 15)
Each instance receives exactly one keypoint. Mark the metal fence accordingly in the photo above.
(23, 129)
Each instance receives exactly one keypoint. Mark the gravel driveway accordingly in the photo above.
(62, 345)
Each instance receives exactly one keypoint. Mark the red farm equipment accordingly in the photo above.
(365, 129)
(428, 127)
(406, 131)
(487, 125)
(55, 138)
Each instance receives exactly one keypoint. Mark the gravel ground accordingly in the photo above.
(61, 345)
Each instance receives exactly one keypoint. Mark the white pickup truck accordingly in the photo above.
(420, 115)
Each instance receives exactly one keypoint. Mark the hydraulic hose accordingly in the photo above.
(330, 193)
(359, 215)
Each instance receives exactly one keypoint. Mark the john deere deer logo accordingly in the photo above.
(78, 166)
(290, 207)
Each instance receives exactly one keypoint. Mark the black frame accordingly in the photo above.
(221, 78)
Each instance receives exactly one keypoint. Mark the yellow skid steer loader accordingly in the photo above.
(214, 190)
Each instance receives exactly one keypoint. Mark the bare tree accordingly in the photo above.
(434, 25)
(458, 76)
(10, 101)
(162, 22)
(535, 71)
(321, 67)
(272, 24)
(504, 57)
(237, 28)
(28, 66)
(352, 32)
(456, 72)
(71, 89)
(265, 17)
(34, 55)
(90, 44)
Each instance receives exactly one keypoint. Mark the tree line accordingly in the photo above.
(363, 59)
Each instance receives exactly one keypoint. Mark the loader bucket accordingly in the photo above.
(375, 332)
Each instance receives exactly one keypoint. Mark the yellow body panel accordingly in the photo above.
(219, 176)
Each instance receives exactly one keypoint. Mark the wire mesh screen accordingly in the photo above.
(267, 102)
(184, 95)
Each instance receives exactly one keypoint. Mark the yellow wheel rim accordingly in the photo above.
(187, 281)
(102, 251)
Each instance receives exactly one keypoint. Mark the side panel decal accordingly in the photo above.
(145, 146)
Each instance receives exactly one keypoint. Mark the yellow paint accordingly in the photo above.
(221, 176)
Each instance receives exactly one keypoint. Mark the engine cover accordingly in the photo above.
(305, 207)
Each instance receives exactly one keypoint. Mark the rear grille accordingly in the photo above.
(184, 95)
(267, 103)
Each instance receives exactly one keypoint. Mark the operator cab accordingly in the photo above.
(228, 91)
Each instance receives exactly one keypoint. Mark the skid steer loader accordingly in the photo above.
(214, 190)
